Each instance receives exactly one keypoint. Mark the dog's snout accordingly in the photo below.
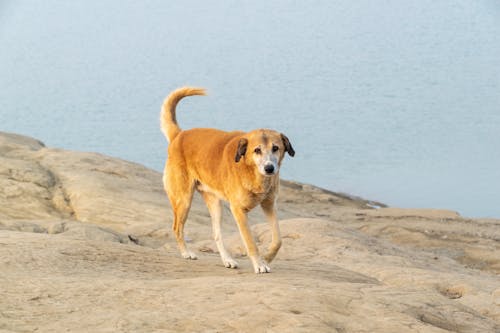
(269, 168)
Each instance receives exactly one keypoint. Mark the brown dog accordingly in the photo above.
(241, 168)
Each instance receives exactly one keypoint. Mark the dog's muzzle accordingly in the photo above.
(268, 166)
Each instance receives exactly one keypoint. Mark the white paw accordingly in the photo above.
(189, 255)
(230, 263)
(261, 267)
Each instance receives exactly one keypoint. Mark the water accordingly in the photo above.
(396, 101)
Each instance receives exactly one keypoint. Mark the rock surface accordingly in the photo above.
(85, 246)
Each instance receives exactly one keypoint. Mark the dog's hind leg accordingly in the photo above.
(215, 209)
(268, 206)
(180, 193)
(180, 216)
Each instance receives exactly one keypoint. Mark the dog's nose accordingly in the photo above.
(269, 169)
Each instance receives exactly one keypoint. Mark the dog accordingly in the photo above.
(241, 168)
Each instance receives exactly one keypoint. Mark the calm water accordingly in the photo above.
(397, 101)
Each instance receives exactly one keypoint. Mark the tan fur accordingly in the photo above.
(222, 166)
(168, 117)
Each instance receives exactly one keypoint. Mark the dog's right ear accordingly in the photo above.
(242, 149)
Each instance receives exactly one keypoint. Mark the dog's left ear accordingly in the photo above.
(288, 145)
(241, 150)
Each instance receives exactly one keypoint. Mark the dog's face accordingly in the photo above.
(265, 149)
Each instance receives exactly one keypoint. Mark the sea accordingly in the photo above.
(394, 101)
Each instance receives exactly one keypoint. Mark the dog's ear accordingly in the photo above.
(241, 150)
(288, 145)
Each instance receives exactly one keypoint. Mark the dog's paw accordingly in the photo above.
(230, 263)
(189, 255)
(261, 267)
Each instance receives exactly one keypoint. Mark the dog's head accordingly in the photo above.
(265, 149)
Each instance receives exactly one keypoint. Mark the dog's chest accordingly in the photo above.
(254, 195)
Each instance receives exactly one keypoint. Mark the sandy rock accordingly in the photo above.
(85, 245)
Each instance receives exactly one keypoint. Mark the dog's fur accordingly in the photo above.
(241, 168)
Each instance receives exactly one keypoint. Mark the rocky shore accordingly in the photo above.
(86, 246)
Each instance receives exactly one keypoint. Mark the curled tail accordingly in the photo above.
(169, 125)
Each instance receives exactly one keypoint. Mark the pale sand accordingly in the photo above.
(85, 246)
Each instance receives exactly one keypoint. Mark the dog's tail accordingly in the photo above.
(168, 120)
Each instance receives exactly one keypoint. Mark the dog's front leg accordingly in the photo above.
(268, 206)
(215, 209)
(240, 216)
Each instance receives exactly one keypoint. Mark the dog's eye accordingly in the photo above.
(275, 149)
(258, 150)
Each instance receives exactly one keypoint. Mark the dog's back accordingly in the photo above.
(204, 153)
